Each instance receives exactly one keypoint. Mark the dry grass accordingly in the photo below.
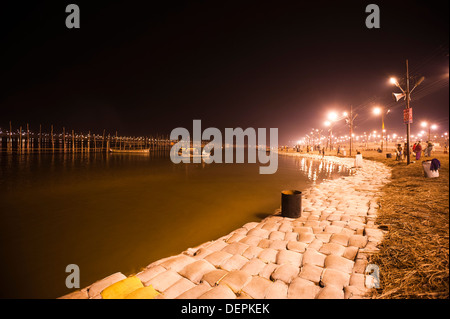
(414, 255)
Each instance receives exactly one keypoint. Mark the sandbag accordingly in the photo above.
(122, 288)
(143, 293)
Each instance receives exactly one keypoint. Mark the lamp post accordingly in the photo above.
(333, 117)
(365, 139)
(308, 139)
(377, 111)
(349, 118)
(407, 113)
(446, 142)
(424, 124)
(328, 123)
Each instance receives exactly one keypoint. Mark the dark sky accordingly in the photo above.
(141, 68)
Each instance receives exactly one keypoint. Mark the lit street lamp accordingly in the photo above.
(333, 118)
(430, 127)
(329, 124)
(378, 111)
(407, 112)
(349, 118)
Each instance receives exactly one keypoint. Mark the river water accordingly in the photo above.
(120, 212)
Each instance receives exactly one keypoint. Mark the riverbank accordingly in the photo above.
(414, 256)
(322, 254)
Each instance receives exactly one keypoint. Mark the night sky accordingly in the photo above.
(145, 67)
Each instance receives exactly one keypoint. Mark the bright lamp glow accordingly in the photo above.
(393, 80)
(327, 123)
(377, 111)
(434, 126)
(424, 124)
(332, 116)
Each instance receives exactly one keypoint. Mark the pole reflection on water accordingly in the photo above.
(119, 212)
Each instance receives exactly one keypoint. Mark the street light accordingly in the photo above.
(332, 116)
(424, 124)
(316, 139)
(349, 119)
(328, 124)
(407, 113)
(377, 111)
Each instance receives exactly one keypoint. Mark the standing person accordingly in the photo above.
(426, 149)
(418, 151)
(429, 148)
(323, 152)
(400, 152)
(414, 147)
(339, 150)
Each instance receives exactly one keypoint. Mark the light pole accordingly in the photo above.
(332, 119)
(446, 142)
(349, 118)
(407, 112)
(328, 123)
(377, 111)
(365, 139)
(318, 132)
(430, 127)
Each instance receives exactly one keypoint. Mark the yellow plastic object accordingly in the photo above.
(143, 293)
(122, 288)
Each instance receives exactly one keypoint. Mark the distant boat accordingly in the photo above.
(115, 150)
(193, 153)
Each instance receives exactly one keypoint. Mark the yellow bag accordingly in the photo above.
(122, 288)
(143, 293)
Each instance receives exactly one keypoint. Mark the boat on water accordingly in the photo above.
(192, 152)
(140, 151)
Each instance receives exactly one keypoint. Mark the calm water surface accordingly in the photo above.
(120, 212)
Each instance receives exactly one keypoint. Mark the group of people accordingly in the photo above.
(417, 149)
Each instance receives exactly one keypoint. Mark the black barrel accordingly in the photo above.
(291, 203)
